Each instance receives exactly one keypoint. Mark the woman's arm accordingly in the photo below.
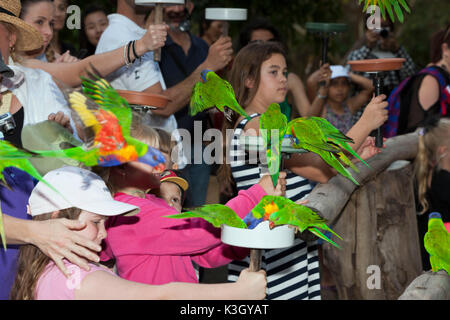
(428, 92)
(374, 115)
(104, 63)
(296, 87)
(355, 103)
(250, 285)
(55, 238)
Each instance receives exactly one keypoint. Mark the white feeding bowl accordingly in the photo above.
(227, 14)
(261, 237)
(153, 2)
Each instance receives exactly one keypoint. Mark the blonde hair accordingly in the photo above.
(32, 261)
(428, 158)
(143, 132)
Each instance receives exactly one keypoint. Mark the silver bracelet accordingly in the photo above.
(321, 96)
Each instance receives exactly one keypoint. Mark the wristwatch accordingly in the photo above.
(321, 96)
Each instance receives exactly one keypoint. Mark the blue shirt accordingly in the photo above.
(14, 203)
(176, 66)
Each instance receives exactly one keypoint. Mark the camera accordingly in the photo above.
(383, 32)
(7, 123)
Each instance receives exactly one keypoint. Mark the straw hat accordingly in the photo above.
(28, 38)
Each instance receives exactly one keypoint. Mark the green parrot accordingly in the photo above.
(281, 211)
(338, 138)
(437, 243)
(311, 137)
(273, 122)
(216, 214)
(214, 91)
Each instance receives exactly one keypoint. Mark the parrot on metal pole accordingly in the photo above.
(437, 243)
(214, 91)
(273, 127)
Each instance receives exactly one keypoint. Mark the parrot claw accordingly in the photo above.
(228, 114)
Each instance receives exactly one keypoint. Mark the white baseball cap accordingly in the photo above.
(79, 188)
(338, 71)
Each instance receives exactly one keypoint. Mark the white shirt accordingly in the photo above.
(38, 94)
(143, 73)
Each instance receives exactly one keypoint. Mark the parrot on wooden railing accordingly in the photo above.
(214, 91)
(437, 243)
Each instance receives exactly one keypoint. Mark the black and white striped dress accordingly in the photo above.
(292, 273)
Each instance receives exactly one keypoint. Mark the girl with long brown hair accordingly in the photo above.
(432, 173)
(259, 79)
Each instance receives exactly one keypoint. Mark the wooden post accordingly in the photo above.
(381, 252)
(158, 20)
(255, 260)
(378, 224)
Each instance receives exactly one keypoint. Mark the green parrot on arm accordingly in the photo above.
(214, 91)
(273, 122)
(437, 243)
(216, 214)
(338, 138)
(281, 211)
(311, 137)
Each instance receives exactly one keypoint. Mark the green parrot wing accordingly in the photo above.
(309, 135)
(304, 218)
(216, 214)
(337, 137)
(101, 92)
(201, 98)
(222, 94)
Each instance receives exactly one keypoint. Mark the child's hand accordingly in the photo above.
(375, 113)
(368, 149)
(279, 190)
(252, 285)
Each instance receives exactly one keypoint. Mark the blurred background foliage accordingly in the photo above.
(290, 17)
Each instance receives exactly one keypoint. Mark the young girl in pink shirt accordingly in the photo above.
(87, 199)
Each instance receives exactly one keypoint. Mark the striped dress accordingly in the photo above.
(292, 273)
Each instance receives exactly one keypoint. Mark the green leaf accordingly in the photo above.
(404, 5)
(398, 11)
(389, 10)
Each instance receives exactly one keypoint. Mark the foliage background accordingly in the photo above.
(290, 16)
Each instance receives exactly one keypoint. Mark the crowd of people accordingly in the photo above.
(114, 234)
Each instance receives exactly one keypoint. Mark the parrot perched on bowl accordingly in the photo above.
(214, 91)
(282, 211)
(273, 122)
(437, 243)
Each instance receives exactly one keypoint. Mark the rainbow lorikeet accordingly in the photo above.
(214, 91)
(319, 136)
(273, 126)
(281, 211)
(437, 243)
